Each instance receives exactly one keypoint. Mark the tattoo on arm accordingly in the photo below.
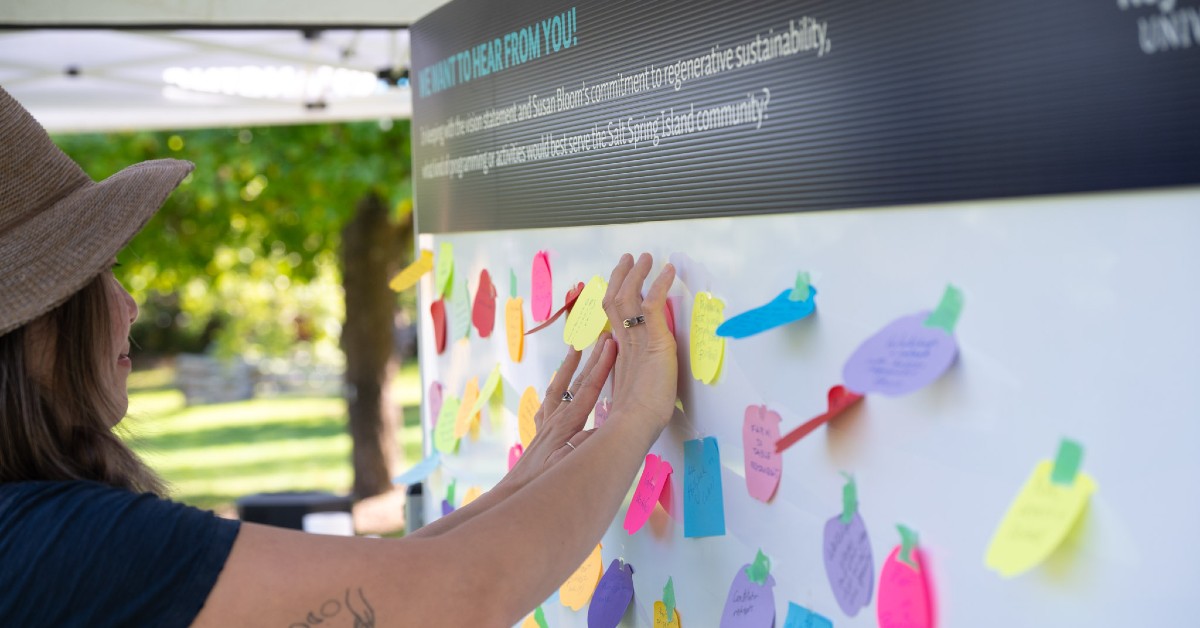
(355, 602)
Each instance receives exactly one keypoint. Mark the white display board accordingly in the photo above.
(1081, 320)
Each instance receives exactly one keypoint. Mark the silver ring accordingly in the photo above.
(636, 320)
(570, 445)
(567, 396)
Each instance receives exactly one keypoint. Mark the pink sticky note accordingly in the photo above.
(514, 454)
(603, 405)
(670, 314)
(764, 465)
(655, 475)
(667, 497)
(435, 402)
(542, 299)
(483, 315)
(905, 599)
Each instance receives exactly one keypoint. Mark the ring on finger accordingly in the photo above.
(567, 396)
(634, 321)
(571, 445)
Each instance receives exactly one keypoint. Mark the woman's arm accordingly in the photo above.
(495, 566)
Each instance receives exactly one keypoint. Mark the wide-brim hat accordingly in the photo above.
(59, 229)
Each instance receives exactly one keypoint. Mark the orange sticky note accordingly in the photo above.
(577, 591)
(660, 616)
(514, 325)
(707, 348)
(467, 415)
(525, 415)
(471, 495)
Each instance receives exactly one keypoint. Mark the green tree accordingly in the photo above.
(275, 205)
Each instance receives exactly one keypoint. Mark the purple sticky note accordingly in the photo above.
(902, 357)
(446, 508)
(848, 563)
(748, 604)
(612, 596)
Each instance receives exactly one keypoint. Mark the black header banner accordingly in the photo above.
(535, 113)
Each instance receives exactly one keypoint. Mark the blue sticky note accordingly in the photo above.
(703, 502)
(419, 471)
(780, 311)
(800, 617)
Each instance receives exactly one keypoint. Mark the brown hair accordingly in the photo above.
(59, 429)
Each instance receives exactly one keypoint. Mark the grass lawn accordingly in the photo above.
(211, 455)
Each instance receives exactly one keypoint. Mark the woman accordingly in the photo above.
(86, 539)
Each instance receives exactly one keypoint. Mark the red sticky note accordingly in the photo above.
(483, 315)
(840, 399)
(572, 296)
(437, 310)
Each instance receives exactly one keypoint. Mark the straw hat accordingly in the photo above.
(58, 227)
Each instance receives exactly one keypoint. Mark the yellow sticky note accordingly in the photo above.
(466, 409)
(1037, 521)
(525, 415)
(471, 495)
(660, 616)
(443, 433)
(408, 277)
(491, 390)
(577, 590)
(530, 622)
(514, 325)
(707, 348)
(587, 319)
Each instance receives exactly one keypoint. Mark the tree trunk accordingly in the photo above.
(371, 247)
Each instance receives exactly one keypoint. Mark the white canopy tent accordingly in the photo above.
(86, 65)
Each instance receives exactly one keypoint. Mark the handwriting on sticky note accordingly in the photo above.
(780, 311)
(467, 411)
(707, 349)
(655, 475)
(764, 465)
(444, 437)
(483, 314)
(612, 597)
(437, 311)
(800, 617)
(662, 619)
(443, 272)
(703, 501)
(904, 593)
(514, 328)
(587, 318)
(749, 604)
(408, 277)
(904, 356)
(460, 309)
(849, 565)
(579, 586)
(526, 412)
(541, 299)
(1038, 521)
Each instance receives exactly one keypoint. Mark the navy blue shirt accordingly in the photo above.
(87, 554)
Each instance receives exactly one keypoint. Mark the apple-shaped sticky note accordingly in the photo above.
(905, 595)
(579, 586)
(707, 349)
(764, 466)
(751, 599)
(437, 311)
(612, 597)
(909, 353)
(483, 315)
(849, 564)
(655, 475)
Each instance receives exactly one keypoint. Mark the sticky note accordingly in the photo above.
(514, 328)
(536, 619)
(764, 465)
(945, 317)
(840, 400)
(849, 563)
(473, 493)
(1066, 463)
(568, 305)
(444, 438)
(707, 349)
(664, 618)
(483, 313)
(904, 593)
(419, 471)
(435, 402)
(467, 411)
(668, 599)
(587, 319)
(460, 310)
(656, 473)
(1038, 521)
(802, 288)
(903, 357)
(749, 604)
(490, 388)
(437, 311)
(612, 597)
(800, 617)
(447, 508)
(408, 277)
(780, 311)
(578, 589)
(514, 454)
(541, 298)
(443, 272)
(759, 569)
(600, 412)
(450, 489)
(703, 502)
(526, 413)
(669, 314)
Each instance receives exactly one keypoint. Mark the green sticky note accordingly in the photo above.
(450, 492)
(1066, 464)
(443, 269)
(758, 572)
(849, 499)
(801, 291)
(540, 618)
(512, 283)
(669, 598)
(946, 315)
(908, 541)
